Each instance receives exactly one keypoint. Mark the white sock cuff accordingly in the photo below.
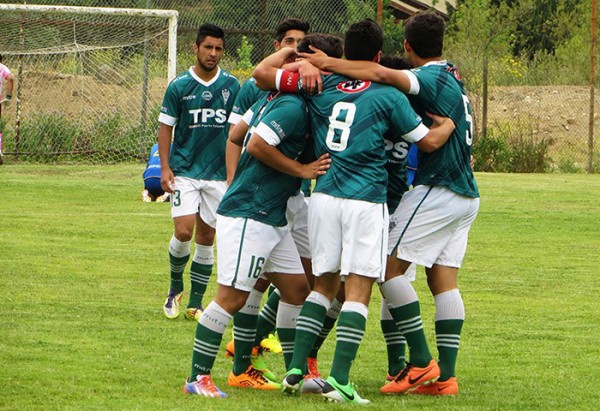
(449, 306)
(252, 306)
(399, 291)
(287, 315)
(204, 254)
(356, 307)
(215, 318)
(334, 310)
(318, 298)
(179, 248)
(385, 310)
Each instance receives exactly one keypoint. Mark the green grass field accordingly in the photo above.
(83, 275)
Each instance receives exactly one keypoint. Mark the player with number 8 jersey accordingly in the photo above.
(349, 124)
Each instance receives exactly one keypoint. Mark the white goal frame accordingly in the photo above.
(171, 15)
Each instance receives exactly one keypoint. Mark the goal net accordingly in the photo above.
(88, 81)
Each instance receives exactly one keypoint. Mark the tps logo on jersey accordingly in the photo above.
(206, 95)
(225, 94)
(353, 86)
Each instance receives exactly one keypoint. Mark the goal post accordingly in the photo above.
(88, 80)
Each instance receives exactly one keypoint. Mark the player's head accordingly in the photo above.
(395, 62)
(289, 32)
(363, 41)
(210, 44)
(327, 43)
(424, 34)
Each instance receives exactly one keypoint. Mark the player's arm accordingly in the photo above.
(438, 133)
(360, 70)
(167, 179)
(265, 72)
(271, 156)
(9, 89)
(233, 149)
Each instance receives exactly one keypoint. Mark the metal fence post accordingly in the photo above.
(590, 164)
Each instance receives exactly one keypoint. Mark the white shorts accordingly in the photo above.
(197, 196)
(297, 216)
(393, 235)
(347, 235)
(247, 248)
(432, 226)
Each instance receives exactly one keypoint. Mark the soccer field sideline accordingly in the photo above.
(84, 263)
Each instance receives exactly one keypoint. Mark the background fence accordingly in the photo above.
(526, 119)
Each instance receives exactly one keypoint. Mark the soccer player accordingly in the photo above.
(195, 108)
(153, 190)
(348, 219)
(288, 33)
(6, 77)
(254, 237)
(438, 212)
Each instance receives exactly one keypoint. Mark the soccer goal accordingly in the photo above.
(88, 80)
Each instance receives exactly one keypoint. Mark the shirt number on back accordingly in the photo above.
(342, 117)
(469, 119)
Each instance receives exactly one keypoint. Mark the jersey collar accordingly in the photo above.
(205, 83)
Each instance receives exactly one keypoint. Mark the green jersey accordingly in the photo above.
(198, 110)
(349, 119)
(248, 95)
(258, 191)
(437, 88)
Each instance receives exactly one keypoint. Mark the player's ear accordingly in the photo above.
(377, 57)
(276, 45)
(407, 46)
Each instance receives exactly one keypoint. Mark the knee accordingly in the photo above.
(183, 234)
(295, 293)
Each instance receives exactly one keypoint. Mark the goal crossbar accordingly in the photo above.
(171, 15)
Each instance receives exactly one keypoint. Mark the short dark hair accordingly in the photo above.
(363, 40)
(395, 62)
(327, 43)
(424, 32)
(290, 24)
(208, 29)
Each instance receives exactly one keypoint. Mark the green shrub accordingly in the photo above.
(512, 147)
(48, 135)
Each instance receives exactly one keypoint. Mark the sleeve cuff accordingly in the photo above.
(417, 134)
(415, 87)
(267, 134)
(166, 119)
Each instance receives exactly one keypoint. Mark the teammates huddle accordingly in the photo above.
(236, 166)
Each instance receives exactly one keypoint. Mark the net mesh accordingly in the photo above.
(90, 85)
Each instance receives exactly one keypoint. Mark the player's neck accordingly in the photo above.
(205, 75)
(418, 61)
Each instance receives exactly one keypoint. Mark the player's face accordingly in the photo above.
(290, 39)
(209, 53)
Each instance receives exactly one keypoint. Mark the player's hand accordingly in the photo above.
(310, 75)
(317, 168)
(438, 120)
(317, 59)
(167, 180)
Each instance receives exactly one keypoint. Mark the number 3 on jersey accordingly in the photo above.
(342, 117)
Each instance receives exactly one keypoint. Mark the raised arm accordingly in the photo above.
(265, 72)
(359, 69)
